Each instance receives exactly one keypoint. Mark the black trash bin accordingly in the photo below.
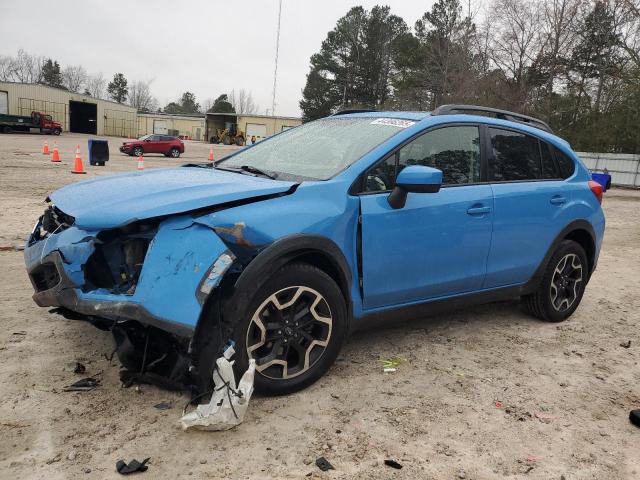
(98, 152)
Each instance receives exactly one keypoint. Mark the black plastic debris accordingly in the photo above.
(323, 464)
(392, 464)
(132, 467)
(163, 406)
(626, 344)
(634, 417)
(83, 385)
(80, 368)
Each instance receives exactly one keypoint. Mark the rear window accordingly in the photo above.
(549, 169)
(565, 164)
(516, 156)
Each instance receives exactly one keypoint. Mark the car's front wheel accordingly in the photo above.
(137, 151)
(293, 327)
(562, 286)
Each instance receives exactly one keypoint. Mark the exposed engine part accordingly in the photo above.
(117, 260)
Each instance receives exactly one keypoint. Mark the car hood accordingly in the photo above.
(117, 200)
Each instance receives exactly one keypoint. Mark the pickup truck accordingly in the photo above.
(42, 122)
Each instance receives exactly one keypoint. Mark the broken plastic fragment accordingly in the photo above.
(228, 403)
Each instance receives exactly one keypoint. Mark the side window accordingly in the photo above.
(454, 150)
(516, 156)
(382, 176)
(549, 170)
(565, 164)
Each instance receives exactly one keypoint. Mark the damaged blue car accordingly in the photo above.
(287, 246)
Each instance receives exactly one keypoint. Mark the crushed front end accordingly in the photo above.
(146, 281)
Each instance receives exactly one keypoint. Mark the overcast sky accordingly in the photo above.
(206, 47)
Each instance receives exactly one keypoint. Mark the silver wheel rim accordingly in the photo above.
(175, 153)
(289, 332)
(566, 282)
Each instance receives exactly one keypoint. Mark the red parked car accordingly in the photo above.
(169, 146)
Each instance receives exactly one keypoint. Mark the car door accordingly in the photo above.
(529, 201)
(153, 145)
(437, 244)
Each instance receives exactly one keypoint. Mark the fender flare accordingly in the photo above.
(278, 254)
(575, 225)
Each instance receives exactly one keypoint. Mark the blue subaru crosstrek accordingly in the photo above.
(288, 245)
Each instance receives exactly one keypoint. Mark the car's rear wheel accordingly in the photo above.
(7, 129)
(137, 151)
(562, 286)
(174, 152)
(293, 327)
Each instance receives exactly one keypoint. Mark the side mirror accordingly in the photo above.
(414, 179)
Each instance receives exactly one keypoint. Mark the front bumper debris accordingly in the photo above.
(184, 261)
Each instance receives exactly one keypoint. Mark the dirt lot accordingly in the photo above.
(484, 393)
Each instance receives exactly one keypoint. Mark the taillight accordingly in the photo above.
(596, 188)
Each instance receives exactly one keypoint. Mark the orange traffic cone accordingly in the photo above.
(78, 167)
(211, 154)
(55, 156)
(45, 148)
(140, 163)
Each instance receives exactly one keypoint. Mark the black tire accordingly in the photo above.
(547, 302)
(174, 152)
(7, 129)
(240, 141)
(292, 276)
(137, 151)
(57, 131)
(226, 140)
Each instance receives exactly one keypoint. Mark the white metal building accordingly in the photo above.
(76, 112)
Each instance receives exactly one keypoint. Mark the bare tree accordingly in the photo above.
(207, 104)
(243, 101)
(140, 96)
(517, 42)
(95, 85)
(23, 68)
(74, 77)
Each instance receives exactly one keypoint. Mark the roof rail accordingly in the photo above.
(502, 114)
(352, 110)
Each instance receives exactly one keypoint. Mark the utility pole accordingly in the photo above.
(275, 73)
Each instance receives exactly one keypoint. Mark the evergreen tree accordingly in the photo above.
(117, 88)
(51, 74)
(222, 105)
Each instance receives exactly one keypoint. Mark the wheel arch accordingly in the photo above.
(312, 249)
(580, 231)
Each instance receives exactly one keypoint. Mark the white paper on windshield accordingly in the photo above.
(394, 122)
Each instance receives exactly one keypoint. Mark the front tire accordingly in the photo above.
(136, 152)
(294, 327)
(562, 286)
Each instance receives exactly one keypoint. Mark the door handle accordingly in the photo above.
(478, 210)
(558, 200)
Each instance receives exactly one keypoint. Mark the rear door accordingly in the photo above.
(437, 244)
(529, 200)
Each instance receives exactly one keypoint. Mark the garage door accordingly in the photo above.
(257, 130)
(4, 103)
(160, 127)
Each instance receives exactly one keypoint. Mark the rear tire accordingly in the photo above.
(562, 286)
(174, 152)
(7, 129)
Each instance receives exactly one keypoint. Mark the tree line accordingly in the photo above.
(573, 63)
(28, 68)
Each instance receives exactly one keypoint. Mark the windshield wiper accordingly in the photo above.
(245, 168)
(257, 171)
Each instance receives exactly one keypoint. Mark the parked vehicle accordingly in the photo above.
(164, 144)
(41, 122)
(286, 247)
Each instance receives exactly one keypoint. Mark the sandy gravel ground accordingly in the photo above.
(484, 393)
